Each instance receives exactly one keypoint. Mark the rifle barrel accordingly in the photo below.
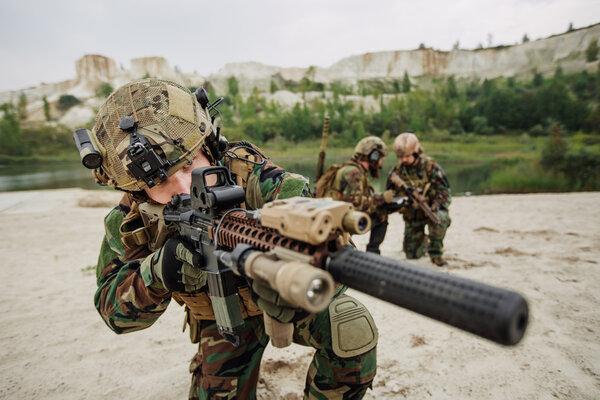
(491, 312)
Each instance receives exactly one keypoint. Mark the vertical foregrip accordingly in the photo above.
(490, 312)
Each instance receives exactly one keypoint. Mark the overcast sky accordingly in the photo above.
(40, 40)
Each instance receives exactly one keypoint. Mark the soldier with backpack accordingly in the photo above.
(349, 182)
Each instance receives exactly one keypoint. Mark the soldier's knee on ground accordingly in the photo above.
(346, 359)
(413, 248)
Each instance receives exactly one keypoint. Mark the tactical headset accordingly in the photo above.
(374, 156)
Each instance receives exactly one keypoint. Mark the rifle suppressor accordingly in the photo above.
(494, 313)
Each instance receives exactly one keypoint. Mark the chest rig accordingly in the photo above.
(418, 176)
(151, 231)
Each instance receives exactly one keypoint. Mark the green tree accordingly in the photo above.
(538, 80)
(553, 154)
(451, 88)
(273, 87)
(22, 107)
(456, 128)
(104, 90)
(46, 109)
(591, 52)
(10, 131)
(582, 169)
(67, 101)
(406, 83)
(525, 38)
(480, 125)
(558, 73)
(233, 87)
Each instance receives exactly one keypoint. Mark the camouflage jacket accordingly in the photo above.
(351, 184)
(427, 175)
(126, 298)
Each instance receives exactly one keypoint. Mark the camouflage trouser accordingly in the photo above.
(415, 245)
(222, 371)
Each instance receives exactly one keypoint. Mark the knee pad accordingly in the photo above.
(353, 331)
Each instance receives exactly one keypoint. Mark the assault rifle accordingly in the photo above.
(321, 161)
(398, 204)
(298, 246)
(417, 198)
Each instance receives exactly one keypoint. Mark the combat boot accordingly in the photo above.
(439, 261)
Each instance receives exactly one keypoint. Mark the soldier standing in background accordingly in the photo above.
(350, 182)
(147, 139)
(421, 175)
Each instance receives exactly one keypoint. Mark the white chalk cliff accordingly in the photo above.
(543, 56)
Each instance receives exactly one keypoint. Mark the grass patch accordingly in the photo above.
(524, 177)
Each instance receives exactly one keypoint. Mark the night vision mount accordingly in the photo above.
(216, 142)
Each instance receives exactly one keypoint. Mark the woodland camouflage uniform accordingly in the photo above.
(425, 174)
(349, 182)
(129, 298)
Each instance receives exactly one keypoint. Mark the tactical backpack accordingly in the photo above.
(327, 180)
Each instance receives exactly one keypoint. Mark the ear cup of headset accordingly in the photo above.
(374, 156)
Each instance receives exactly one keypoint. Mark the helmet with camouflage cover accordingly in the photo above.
(146, 131)
(407, 143)
(365, 148)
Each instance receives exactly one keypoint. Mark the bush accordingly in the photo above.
(480, 125)
(554, 153)
(233, 87)
(67, 101)
(10, 132)
(591, 53)
(537, 130)
(104, 90)
(582, 169)
(456, 128)
(47, 140)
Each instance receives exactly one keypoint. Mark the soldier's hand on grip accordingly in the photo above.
(388, 196)
(177, 266)
(271, 303)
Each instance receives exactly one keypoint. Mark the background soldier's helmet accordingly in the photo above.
(164, 113)
(366, 146)
(407, 143)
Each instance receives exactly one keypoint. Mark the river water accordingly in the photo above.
(463, 178)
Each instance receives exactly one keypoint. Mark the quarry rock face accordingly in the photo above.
(544, 56)
(95, 68)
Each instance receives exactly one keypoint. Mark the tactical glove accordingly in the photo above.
(388, 196)
(177, 266)
(271, 303)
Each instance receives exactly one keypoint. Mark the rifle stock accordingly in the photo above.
(304, 264)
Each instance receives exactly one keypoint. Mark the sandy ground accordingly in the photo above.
(53, 344)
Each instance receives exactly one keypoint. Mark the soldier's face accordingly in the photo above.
(180, 181)
(407, 159)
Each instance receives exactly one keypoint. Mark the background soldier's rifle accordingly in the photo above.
(398, 204)
(417, 198)
(321, 162)
(297, 245)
